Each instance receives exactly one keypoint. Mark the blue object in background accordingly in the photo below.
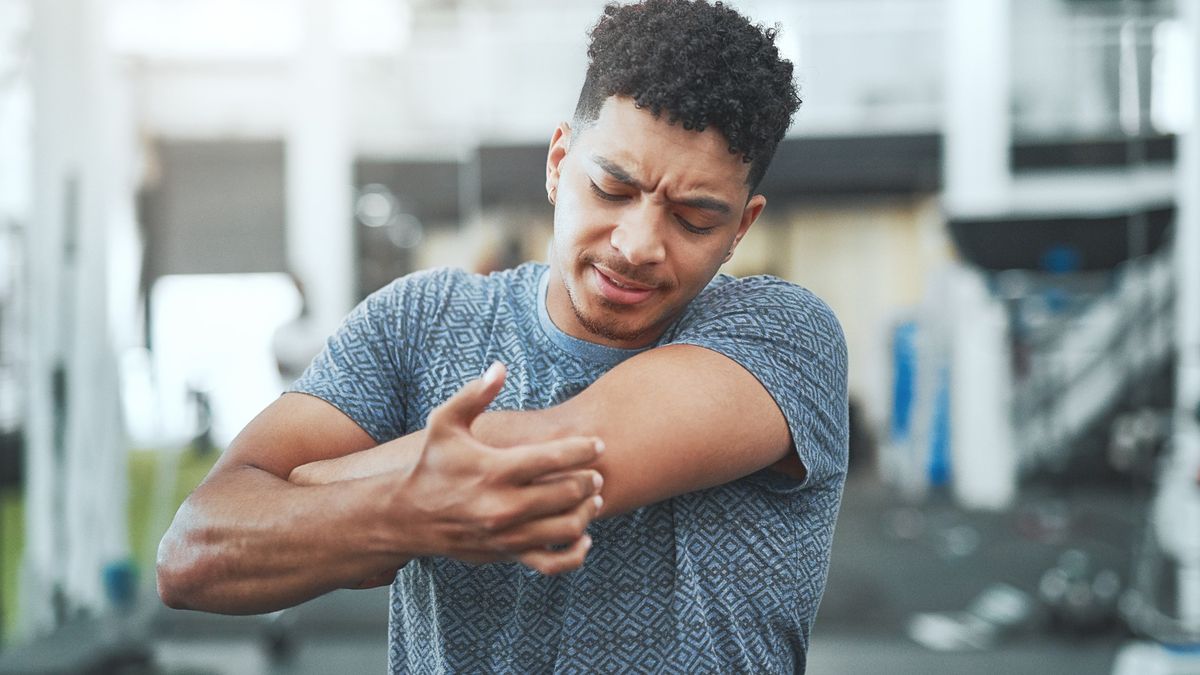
(904, 359)
(1062, 259)
(939, 436)
(120, 583)
(904, 396)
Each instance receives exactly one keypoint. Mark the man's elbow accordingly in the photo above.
(168, 589)
(170, 579)
(178, 571)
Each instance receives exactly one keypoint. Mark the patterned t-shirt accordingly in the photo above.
(722, 580)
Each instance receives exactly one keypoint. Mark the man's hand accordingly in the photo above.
(248, 541)
(464, 499)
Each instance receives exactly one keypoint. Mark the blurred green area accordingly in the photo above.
(147, 521)
(12, 528)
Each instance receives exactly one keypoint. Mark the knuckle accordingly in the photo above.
(498, 519)
(504, 544)
(484, 519)
(587, 481)
(579, 489)
(561, 455)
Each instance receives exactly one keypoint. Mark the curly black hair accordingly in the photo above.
(704, 64)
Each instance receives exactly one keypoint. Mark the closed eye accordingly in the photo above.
(606, 196)
(610, 197)
(692, 228)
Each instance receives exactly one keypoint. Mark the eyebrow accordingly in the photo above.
(622, 176)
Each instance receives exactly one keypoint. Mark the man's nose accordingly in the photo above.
(637, 237)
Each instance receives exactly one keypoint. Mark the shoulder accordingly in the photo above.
(438, 286)
(761, 302)
(760, 290)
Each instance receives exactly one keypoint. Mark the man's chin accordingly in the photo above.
(608, 329)
(607, 323)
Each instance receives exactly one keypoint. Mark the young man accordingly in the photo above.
(654, 483)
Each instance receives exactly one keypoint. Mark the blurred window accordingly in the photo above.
(212, 333)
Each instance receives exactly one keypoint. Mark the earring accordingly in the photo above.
(550, 194)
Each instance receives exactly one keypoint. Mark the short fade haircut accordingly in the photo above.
(704, 64)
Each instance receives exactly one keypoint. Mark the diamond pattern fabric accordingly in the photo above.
(723, 580)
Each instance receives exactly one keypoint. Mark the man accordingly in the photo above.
(647, 475)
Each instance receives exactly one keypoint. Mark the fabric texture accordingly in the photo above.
(723, 580)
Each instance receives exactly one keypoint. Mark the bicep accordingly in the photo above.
(295, 429)
(677, 419)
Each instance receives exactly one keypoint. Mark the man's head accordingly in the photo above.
(698, 64)
(682, 108)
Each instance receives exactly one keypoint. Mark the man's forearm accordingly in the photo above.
(247, 542)
(499, 429)
(396, 455)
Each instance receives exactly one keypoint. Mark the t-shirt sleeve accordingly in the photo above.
(792, 343)
(362, 367)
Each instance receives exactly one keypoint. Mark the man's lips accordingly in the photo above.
(623, 281)
(618, 289)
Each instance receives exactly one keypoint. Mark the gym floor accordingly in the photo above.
(891, 561)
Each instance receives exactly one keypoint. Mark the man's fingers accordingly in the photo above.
(563, 494)
(555, 530)
(550, 562)
(468, 402)
(524, 463)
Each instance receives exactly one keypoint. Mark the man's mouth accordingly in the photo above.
(616, 288)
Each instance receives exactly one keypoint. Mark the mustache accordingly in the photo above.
(639, 275)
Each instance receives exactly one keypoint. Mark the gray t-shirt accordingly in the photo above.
(722, 580)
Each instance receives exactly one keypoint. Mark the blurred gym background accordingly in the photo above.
(999, 198)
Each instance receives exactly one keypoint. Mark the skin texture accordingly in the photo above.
(304, 501)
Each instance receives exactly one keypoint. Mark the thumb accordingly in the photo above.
(467, 403)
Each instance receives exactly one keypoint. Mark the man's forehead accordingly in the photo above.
(693, 185)
(631, 138)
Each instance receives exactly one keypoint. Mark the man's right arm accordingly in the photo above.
(248, 541)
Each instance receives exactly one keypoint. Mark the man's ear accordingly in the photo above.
(560, 141)
(750, 214)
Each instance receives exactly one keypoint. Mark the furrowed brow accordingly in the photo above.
(619, 174)
(622, 176)
(707, 204)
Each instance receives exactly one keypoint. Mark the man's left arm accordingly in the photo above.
(674, 419)
(760, 382)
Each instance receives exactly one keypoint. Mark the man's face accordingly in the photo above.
(645, 213)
